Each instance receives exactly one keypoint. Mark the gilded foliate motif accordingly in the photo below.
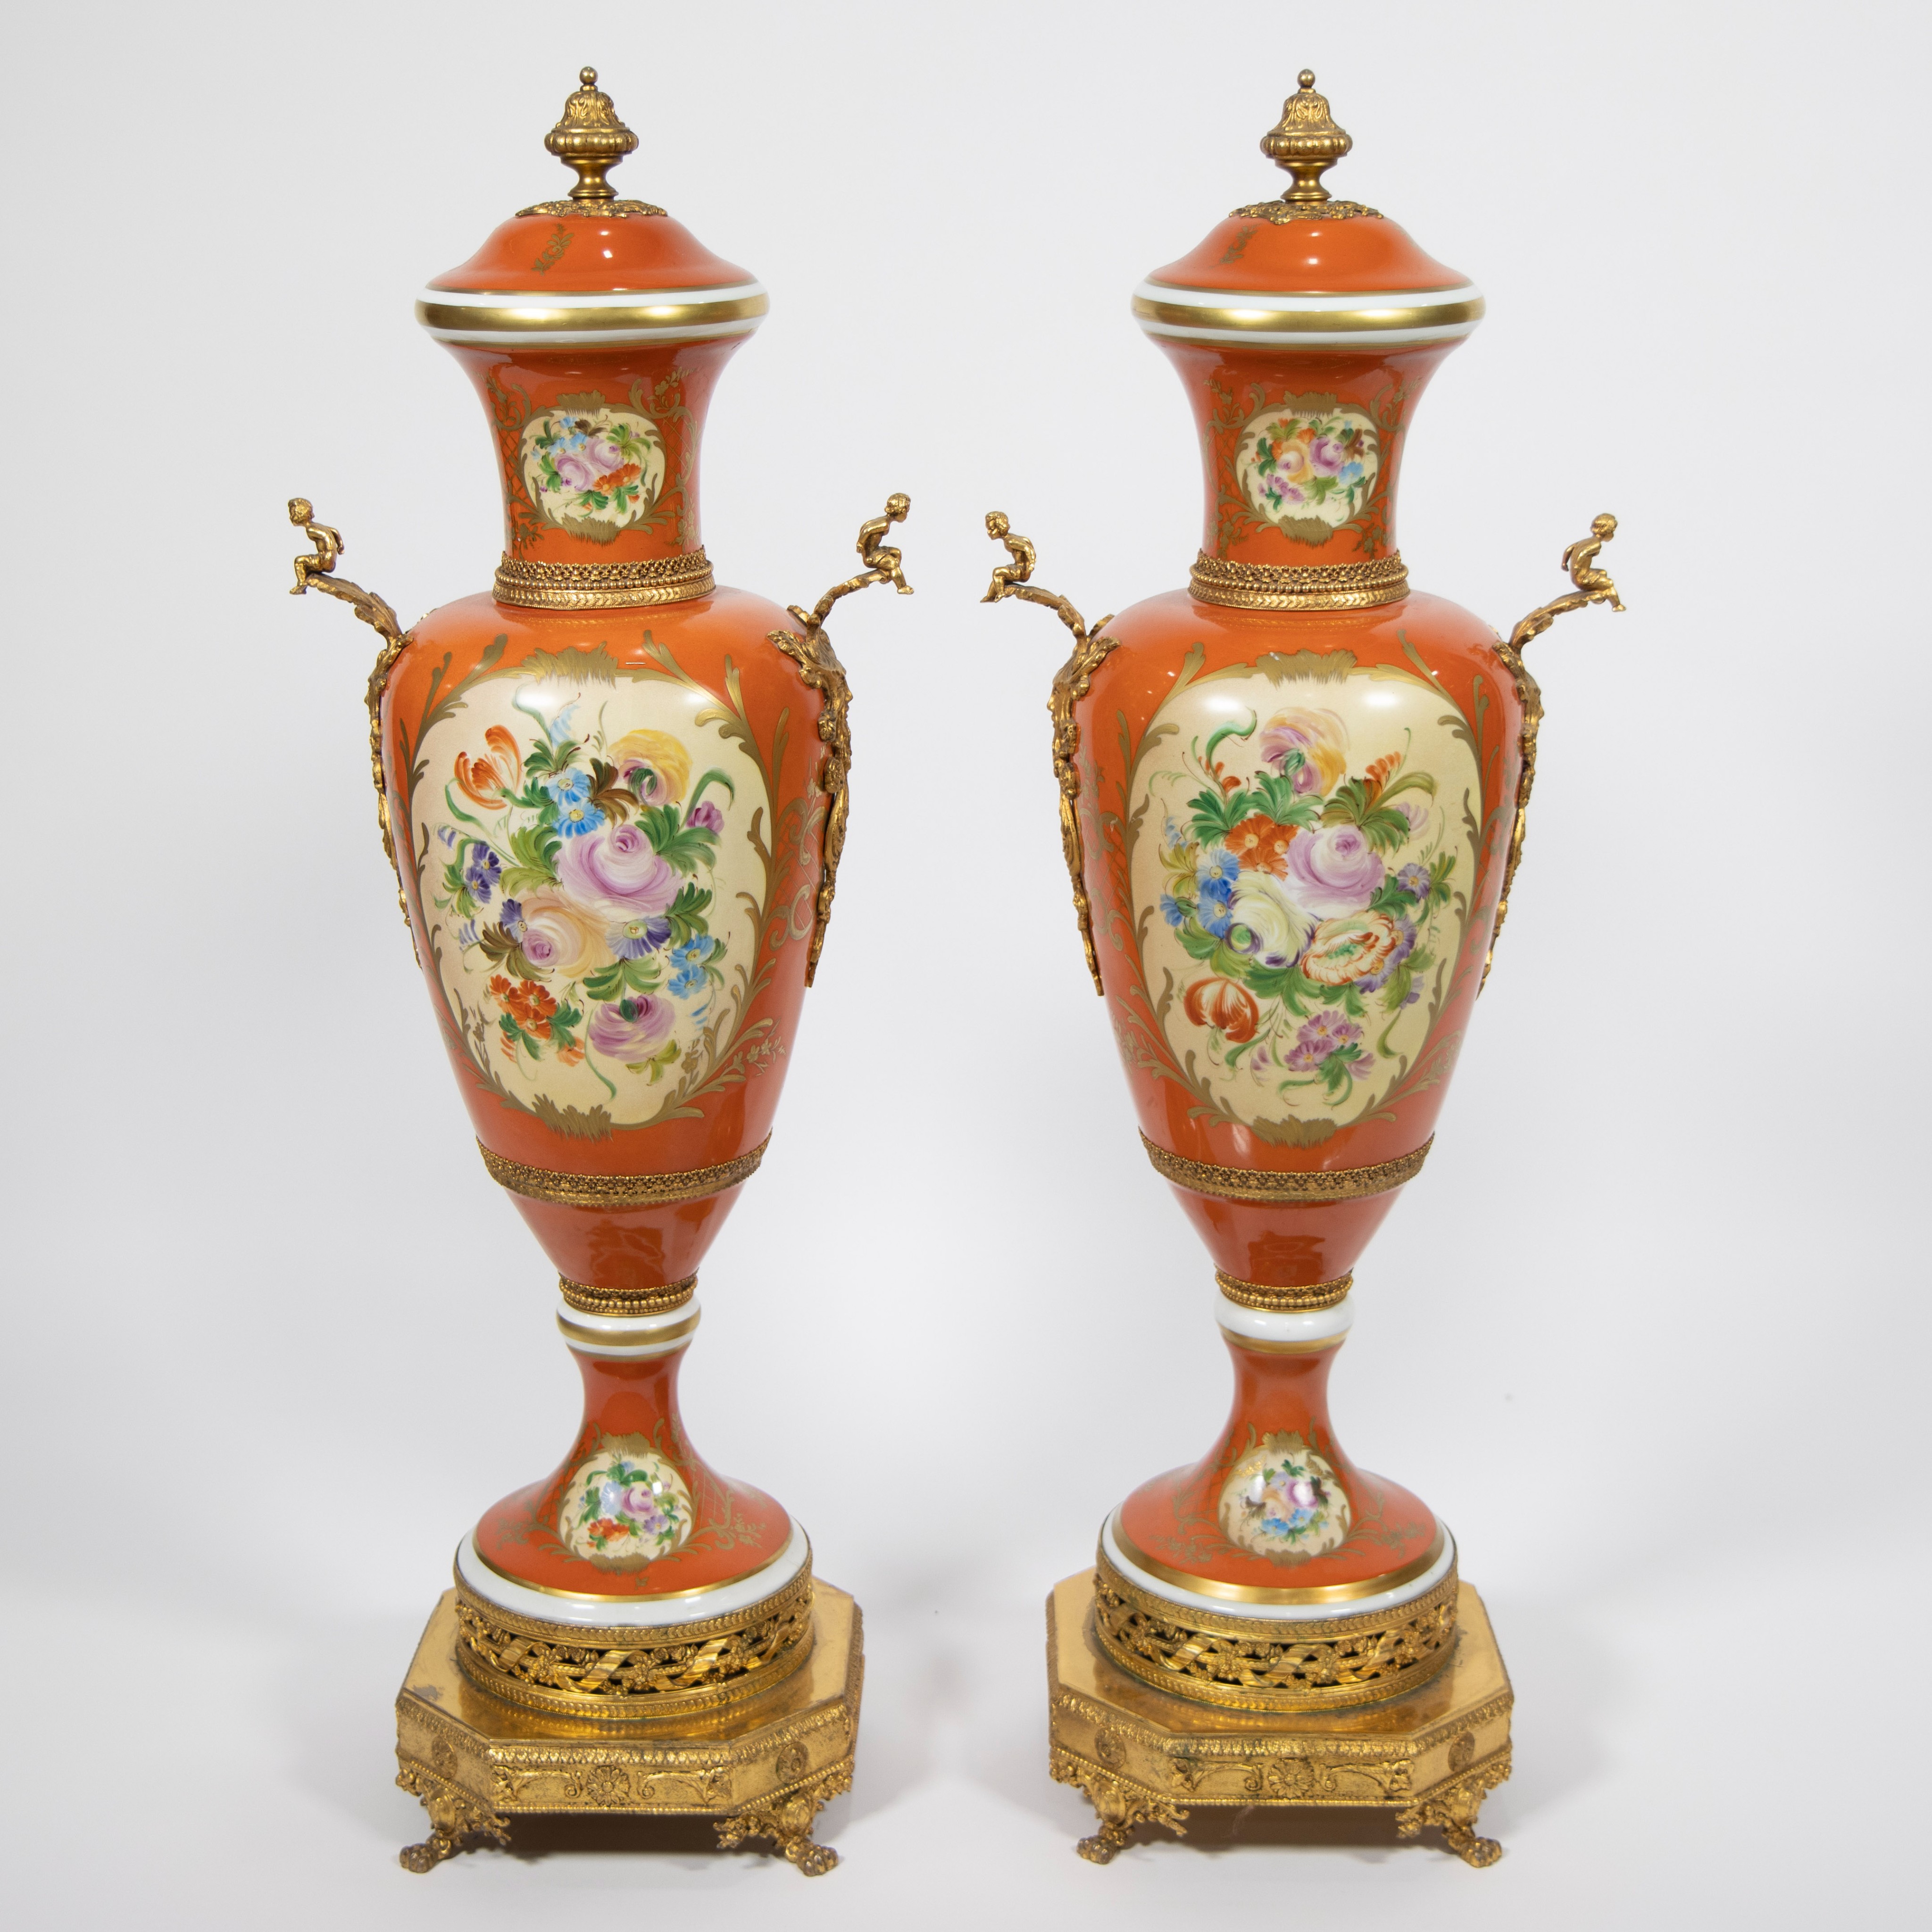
(594, 868)
(1307, 466)
(624, 1506)
(592, 470)
(1283, 1502)
(1306, 841)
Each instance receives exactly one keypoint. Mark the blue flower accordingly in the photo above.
(1216, 909)
(1348, 472)
(466, 933)
(691, 957)
(482, 871)
(1172, 910)
(1414, 880)
(449, 835)
(573, 814)
(512, 921)
(637, 937)
(1217, 863)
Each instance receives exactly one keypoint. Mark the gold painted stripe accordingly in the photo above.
(637, 1338)
(620, 1190)
(535, 315)
(601, 1596)
(1255, 1593)
(1293, 1301)
(1254, 1342)
(1269, 1184)
(1397, 319)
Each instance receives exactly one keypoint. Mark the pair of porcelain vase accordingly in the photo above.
(614, 794)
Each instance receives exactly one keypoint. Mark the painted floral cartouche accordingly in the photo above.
(614, 794)
(1292, 802)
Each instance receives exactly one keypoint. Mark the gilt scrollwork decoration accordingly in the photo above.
(1593, 586)
(810, 650)
(318, 573)
(1070, 685)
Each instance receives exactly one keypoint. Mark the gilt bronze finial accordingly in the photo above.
(590, 139)
(1306, 142)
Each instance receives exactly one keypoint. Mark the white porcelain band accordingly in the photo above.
(1369, 319)
(1293, 1613)
(631, 1337)
(632, 1612)
(1285, 1327)
(496, 318)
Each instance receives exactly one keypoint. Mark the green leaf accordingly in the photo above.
(1216, 816)
(1385, 829)
(1198, 942)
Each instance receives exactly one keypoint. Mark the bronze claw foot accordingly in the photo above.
(787, 1822)
(1454, 1813)
(452, 1817)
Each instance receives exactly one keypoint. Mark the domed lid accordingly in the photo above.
(593, 269)
(1307, 271)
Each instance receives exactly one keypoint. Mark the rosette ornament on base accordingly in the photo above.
(1292, 798)
(614, 793)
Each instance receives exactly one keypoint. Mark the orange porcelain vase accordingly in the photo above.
(1290, 800)
(615, 794)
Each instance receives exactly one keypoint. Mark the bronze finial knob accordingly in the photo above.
(590, 139)
(1306, 141)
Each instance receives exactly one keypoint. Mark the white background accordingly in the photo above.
(1649, 1331)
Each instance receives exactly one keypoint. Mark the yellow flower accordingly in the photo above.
(663, 757)
(1320, 737)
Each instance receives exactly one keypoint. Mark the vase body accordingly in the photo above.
(1293, 788)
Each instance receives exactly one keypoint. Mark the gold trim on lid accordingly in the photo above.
(1299, 586)
(534, 585)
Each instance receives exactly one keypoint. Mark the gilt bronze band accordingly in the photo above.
(624, 1673)
(1272, 1185)
(620, 1190)
(535, 585)
(1254, 1663)
(1301, 1299)
(588, 1301)
(1312, 587)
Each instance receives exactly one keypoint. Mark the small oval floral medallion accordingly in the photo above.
(625, 1507)
(1307, 466)
(1284, 1502)
(593, 471)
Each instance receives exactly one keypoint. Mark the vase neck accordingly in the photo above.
(1301, 452)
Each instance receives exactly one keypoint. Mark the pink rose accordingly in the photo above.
(616, 867)
(1327, 455)
(630, 1030)
(603, 456)
(1332, 871)
(574, 471)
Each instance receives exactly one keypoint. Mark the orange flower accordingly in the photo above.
(1220, 1003)
(487, 777)
(499, 984)
(628, 473)
(1379, 772)
(570, 1055)
(1258, 842)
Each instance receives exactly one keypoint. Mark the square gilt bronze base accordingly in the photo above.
(1143, 1757)
(760, 1769)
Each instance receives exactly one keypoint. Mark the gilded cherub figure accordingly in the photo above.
(1007, 576)
(328, 545)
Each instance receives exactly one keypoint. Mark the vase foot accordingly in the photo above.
(762, 1768)
(1144, 1756)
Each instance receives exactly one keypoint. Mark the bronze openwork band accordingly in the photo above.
(619, 1190)
(1302, 1298)
(1260, 1663)
(622, 1673)
(1273, 1185)
(535, 585)
(588, 1300)
(1311, 586)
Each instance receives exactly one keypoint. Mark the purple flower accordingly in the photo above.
(1414, 880)
(618, 869)
(1326, 1034)
(643, 1508)
(633, 1029)
(482, 872)
(707, 817)
(466, 933)
(1377, 980)
(1327, 454)
(512, 921)
(636, 936)
(450, 836)
(1333, 870)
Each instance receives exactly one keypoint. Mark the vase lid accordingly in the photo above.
(593, 269)
(1306, 271)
